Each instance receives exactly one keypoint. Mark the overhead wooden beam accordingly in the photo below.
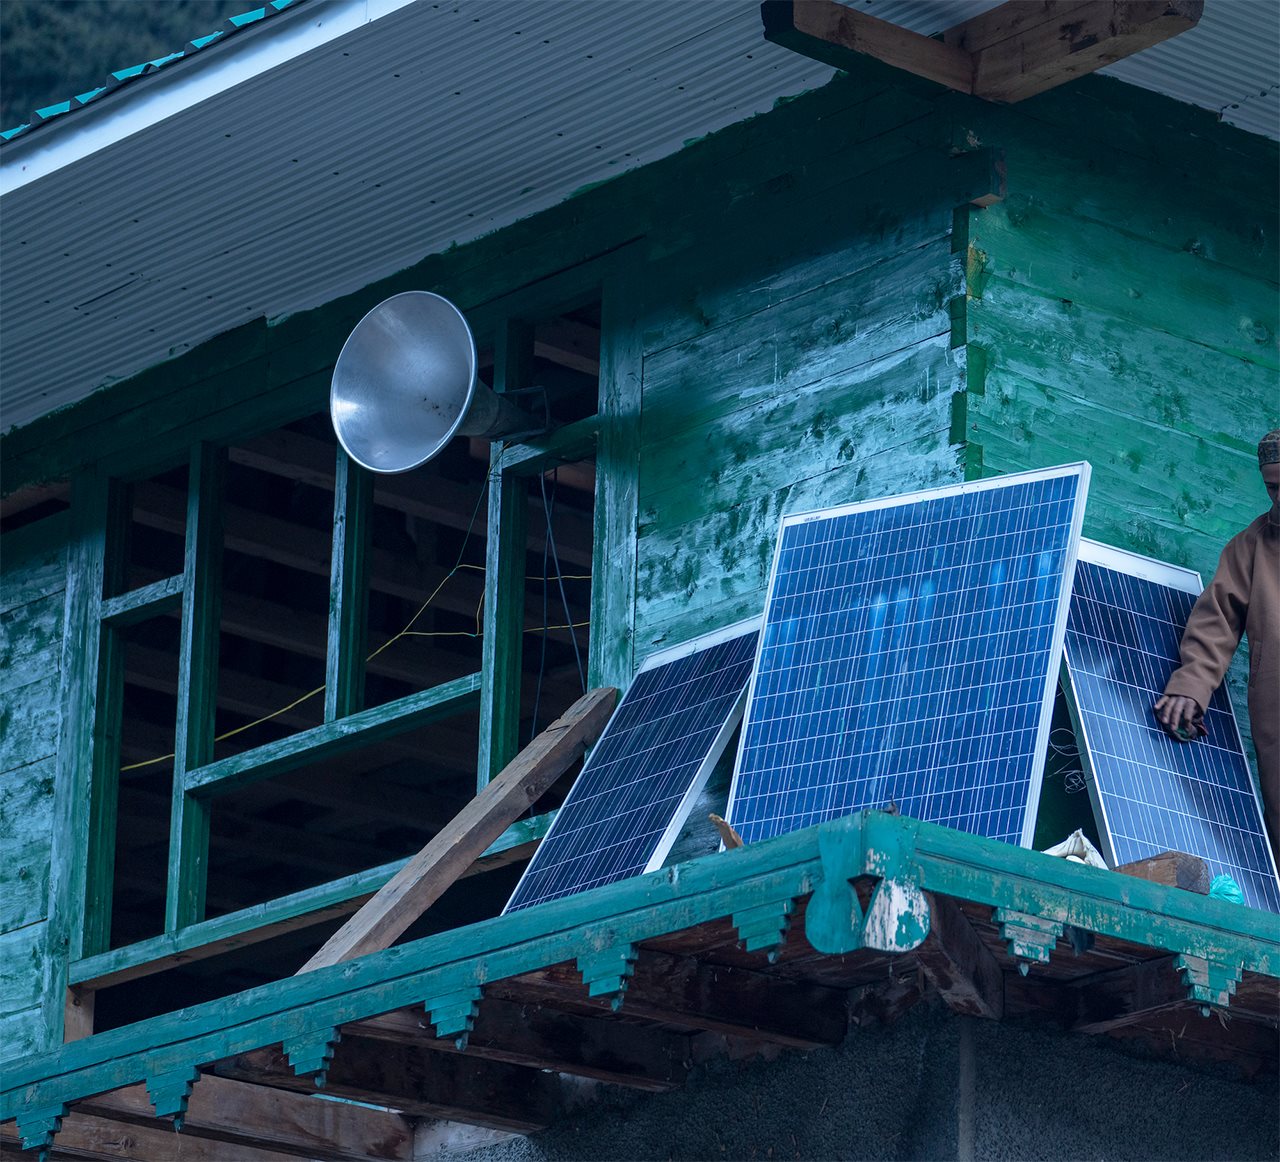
(417, 1082)
(1021, 49)
(830, 32)
(1005, 55)
(238, 1116)
(680, 990)
(958, 964)
(427, 875)
(636, 1056)
(1127, 996)
(87, 1136)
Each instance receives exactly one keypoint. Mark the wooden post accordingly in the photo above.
(429, 873)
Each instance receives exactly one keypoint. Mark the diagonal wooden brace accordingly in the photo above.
(606, 972)
(1208, 982)
(454, 1014)
(1030, 938)
(170, 1092)
(311, 1053)
(38, 1127)
(764, 927)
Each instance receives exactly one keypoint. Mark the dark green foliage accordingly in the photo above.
(53, 49)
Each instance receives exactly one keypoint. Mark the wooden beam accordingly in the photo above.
(1175, 868)
(243, 1116)
(417, 1082)
(958, 964)
(834, 33)
(88, 1136)
(680, 990)
(636, 1056)
(1127, 996)
(1021, 49)
(428, 874)
(1005, 55)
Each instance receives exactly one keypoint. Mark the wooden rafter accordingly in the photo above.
(1006, 55)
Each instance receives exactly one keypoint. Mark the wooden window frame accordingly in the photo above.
(100, 512)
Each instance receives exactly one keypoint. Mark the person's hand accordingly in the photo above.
(1180, 716)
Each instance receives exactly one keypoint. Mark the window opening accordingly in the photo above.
(152, 538)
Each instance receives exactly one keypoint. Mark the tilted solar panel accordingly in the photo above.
(909, 654)
(1150, 792)
(630, 801)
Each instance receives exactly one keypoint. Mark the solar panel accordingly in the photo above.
(629, 802)
(1150, 792)
(909, 654)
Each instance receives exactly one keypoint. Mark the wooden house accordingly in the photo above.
(245, 680)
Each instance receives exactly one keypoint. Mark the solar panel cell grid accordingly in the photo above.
(908, 654)
(1154, 794)
(632, 795)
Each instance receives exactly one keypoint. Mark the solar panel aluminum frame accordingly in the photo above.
(1081, 469)
(700, 776)
(1159, 573)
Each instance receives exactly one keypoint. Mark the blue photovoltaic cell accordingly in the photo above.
(909, 654)
(630, 798)
(1152, 793)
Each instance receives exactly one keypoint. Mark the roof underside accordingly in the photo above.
(384, 132)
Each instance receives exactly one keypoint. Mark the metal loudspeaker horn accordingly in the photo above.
(405, 384)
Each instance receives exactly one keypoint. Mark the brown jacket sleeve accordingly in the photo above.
(1215, 626)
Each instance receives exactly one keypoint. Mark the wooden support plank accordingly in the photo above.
(1175, 868)
(333, 738)
(612, 1051)
(1021, 49)
(197, 686)
(832, 33)
(417, 1082)
(613, 602)
(348, 589)
(504, 578)
(958, 964)
(87, 1136)
(137, 605)
(261, 922)
(1006, 55)
(680, 990)
(428, 874)
(241, 1115)
(74, 779)
(104, 792)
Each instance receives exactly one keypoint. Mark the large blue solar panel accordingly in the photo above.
(1152, 793)
(909, 654)
(627, 806)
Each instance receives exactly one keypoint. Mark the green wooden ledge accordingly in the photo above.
(915, 857)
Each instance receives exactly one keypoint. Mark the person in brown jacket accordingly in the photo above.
(1242, 598)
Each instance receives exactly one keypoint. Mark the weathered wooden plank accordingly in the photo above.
(33, 667)
(840, 36)
(22, 957)
(33, 561)
(29, 722)
(332, 738)
(504, 580)
(424, 879)
(237, 1115)
(1135, 284)
(21, 1033)
(348, 590)
(159, 597)
(31, 638)
(1018, 50)
(1175, 868)
(958, 964)
(26, 805)
(617, 1052)
(419, 1083)
(24, 879)
(90, 1136)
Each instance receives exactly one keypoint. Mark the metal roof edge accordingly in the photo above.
(146, 94)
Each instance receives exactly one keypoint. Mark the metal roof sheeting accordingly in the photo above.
(420, 125)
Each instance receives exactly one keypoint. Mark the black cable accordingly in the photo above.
(546, 621)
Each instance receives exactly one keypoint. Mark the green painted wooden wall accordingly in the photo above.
(817, 315)
(32, 604)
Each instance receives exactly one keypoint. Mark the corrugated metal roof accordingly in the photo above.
(424, 125)
(231, 25)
